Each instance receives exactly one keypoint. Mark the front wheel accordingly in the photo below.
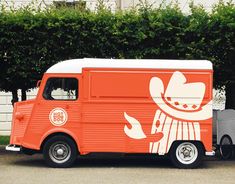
(60, 151)
(186, 155)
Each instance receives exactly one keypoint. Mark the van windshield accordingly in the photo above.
(61, 89)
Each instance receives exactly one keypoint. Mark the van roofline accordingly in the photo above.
(76, 65)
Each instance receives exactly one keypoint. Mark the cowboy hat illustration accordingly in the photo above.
(180, 99)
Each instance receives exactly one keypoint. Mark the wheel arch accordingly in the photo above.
(192, 141)
(51, 134)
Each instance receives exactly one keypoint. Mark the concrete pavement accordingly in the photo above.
(102, 169)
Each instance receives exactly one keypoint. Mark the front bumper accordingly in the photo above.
(13, 147)
(211, 153)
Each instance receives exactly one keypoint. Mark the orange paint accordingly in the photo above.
(96, 119)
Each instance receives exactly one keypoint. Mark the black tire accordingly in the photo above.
(60, 151)
(226, 147)
(193, 150)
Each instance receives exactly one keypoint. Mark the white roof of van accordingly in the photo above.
(76, 65)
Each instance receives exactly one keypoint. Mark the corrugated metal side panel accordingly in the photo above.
(103, 126)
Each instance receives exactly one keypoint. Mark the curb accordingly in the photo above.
(2, 147)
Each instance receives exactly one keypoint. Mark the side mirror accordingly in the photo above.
(38, 83)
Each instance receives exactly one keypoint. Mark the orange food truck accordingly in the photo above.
(161, 107)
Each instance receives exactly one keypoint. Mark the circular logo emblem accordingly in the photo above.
(58, 116)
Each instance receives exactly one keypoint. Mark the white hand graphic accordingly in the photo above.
(135, 131)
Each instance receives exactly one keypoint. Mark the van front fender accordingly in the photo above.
(56, 131)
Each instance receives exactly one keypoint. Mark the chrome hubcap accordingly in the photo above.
(186, 153)
(60, 152)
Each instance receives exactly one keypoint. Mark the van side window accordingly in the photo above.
(61, 89)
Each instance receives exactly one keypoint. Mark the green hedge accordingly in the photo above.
(4, 140)
(30, 42)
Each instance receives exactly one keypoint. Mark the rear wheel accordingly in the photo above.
(226, 147)
(186, 154)
(60, 151)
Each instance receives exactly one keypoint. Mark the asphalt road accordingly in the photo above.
(102, 169)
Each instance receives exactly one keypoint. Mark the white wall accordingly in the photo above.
(116, 4)
(5, 113)
(91, 4)
(183, 4)
(218, 100)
